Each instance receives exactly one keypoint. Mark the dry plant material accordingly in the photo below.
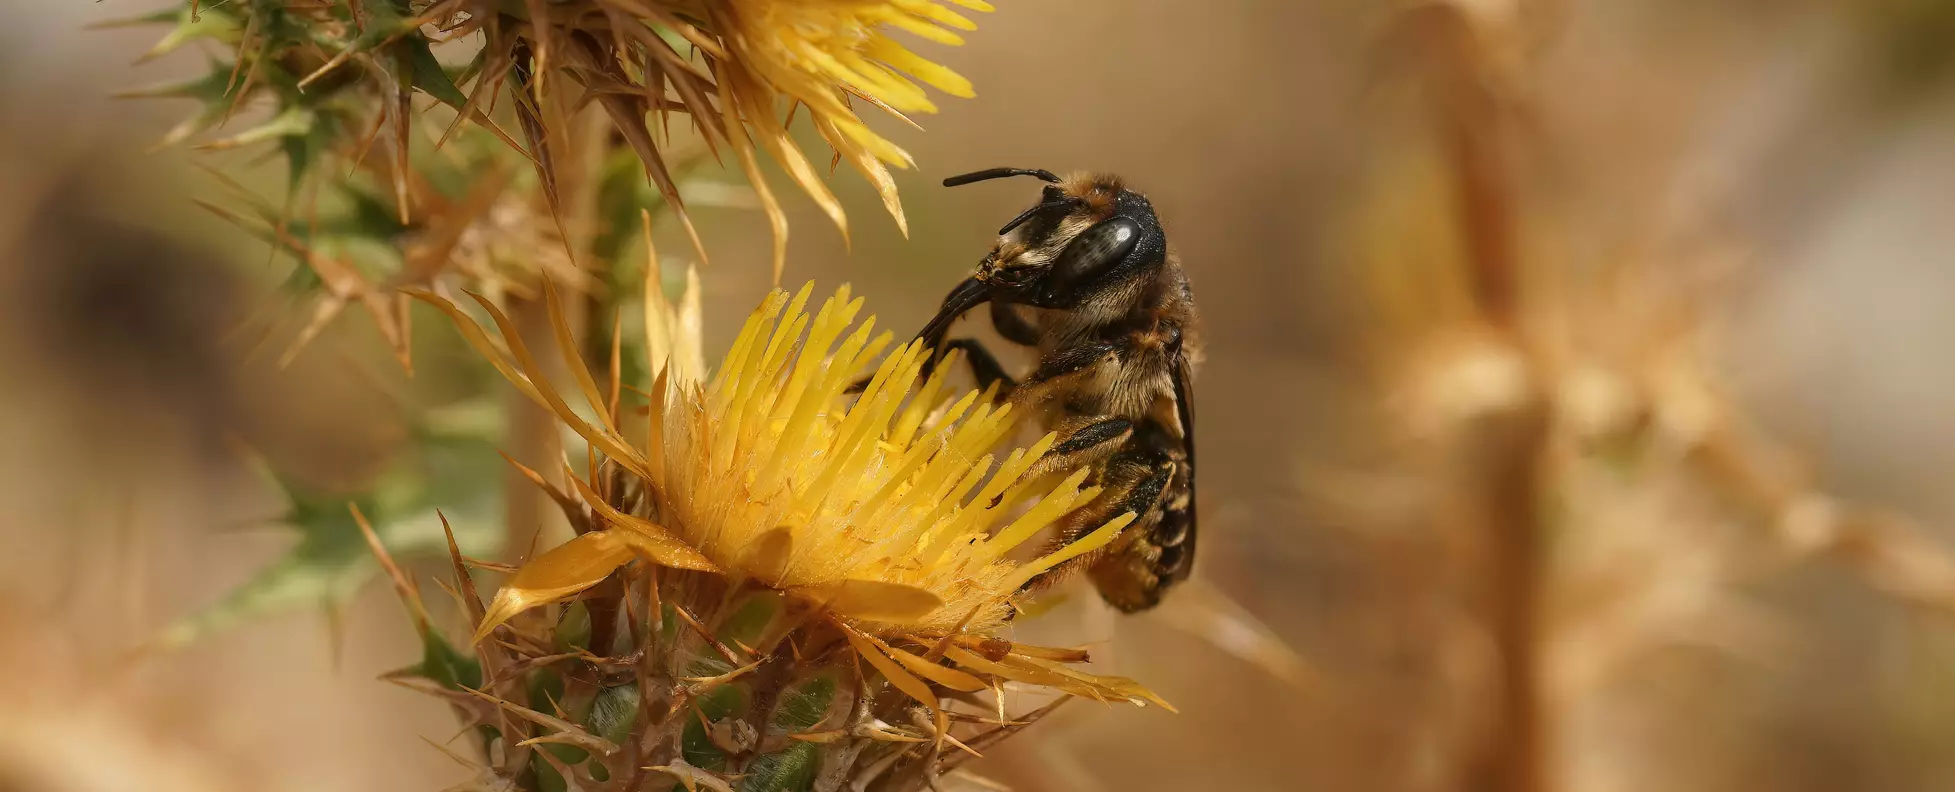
(783, 587)
(337, 87)
(1563, 434)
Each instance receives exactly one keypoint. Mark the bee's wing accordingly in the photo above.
(1184, 404)
(1182, 372)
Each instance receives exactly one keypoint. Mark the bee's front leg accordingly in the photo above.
(1012, 325)
(984, 366)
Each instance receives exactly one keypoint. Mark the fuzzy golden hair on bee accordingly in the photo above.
(1097, 190)
(1085, 279)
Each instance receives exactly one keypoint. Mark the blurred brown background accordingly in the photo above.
(1812, 136)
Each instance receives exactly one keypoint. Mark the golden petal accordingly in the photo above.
(942, 675)
(874, 600)
(479, 339)
(941, 78)
(898, 676)
(923, 29)
(1120, 686)
(572, 356)
(928, 9)
(602, 437)
(890, 669)
(768, 557)
(743, 147)
(978, 663)
(645, 537)
(556, 576)
(1099, 538)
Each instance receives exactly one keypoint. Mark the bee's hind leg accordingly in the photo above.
(1082, 441)
(1134, 481)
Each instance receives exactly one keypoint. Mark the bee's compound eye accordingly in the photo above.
(1096, 250)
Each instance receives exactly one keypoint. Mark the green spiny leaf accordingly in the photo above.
(293, 121)
(367, 215)
(443, 663)
(302, 153)
(429, 76)
(209, 91)
(332, 561)
(192, 27)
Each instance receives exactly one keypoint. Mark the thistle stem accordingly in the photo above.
(578, 146)
(532, 439)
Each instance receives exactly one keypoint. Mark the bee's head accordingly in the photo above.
(1086, 231)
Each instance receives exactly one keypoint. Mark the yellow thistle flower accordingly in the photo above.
(818, 54)
(807, 48)
(775, 571)
(891, 514)
(877, 508)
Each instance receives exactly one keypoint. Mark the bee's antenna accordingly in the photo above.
(1000, 173)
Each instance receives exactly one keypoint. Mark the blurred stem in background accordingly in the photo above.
(1501, 448)
(1587, 465)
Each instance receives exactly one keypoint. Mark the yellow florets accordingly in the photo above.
(888, 509)
(806, 48)
(891, 509)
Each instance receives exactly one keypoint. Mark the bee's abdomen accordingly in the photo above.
(1152, 477)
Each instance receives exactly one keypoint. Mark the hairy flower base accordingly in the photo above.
(734, 686)
(793, 583)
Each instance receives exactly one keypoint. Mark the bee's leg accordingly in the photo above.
(1158, 550)
(1134, 481)
(968, 295)
(1153, 554)
(1083, 440)
(984, 366)
(1064, 368)
(1078, 358)
(1012, 324)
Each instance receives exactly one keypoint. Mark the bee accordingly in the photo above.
(1085, 279)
